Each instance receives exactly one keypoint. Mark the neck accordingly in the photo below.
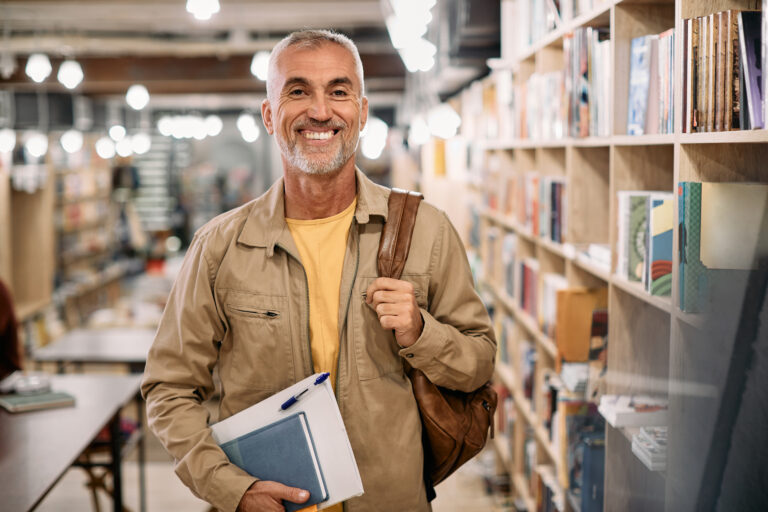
(310, 196)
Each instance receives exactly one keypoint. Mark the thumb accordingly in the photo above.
(292, 494)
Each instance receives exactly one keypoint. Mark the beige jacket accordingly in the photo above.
(241, 302)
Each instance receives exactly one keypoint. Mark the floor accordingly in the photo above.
(462, 492)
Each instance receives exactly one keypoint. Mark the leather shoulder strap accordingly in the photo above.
(396, 235)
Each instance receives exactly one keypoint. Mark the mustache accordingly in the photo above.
(328, 125)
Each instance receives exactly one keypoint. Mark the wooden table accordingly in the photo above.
(37, 448)
(110, 346)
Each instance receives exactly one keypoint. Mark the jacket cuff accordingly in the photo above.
(227, 487)
(423, 351)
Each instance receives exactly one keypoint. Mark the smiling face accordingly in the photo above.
(315, 109)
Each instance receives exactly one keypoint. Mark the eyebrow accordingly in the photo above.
(297, 80)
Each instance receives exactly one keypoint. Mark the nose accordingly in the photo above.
(319, 110)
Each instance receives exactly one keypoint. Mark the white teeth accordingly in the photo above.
(317, 135)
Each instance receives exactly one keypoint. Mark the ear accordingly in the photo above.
(266, 116)
(364, 113)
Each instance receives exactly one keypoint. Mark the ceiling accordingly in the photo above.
(159, 44)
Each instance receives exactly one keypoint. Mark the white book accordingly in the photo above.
(633, 410)
(342, 477)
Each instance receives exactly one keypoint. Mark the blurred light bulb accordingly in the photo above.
(36, 144)
(7, 140)
(165, 126)
(71, 141)
(117, 132)
(140, 143)
(443, 121)
(203, 9)
(137, 96)
(260, 65)
(123, 147)
(418, 134)
(105, 148)
(251, 133)
(419, 55)
(70, 74)
(38, 67)
(375, 139)
(245, 121)
(213, 125)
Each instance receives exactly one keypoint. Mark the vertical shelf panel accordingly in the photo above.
(5, 224)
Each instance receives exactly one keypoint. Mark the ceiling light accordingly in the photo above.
(419, 55)
(140, 143)
(70, 74)
(71, 141)
(36, 144)
(404, 31)
(250, 134)
(7, 140)
(105, 148)
(165, 126)
(260, 65)
(213, 125)
(443, 121)
(375, 139)
(123, 147)
(117, 132)
(245, 122)
(203, 9)
(419, 132)
(38, 67)
(137, 97)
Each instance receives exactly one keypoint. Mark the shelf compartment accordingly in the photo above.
(632, 486)
(588, 189)
(636, 290)
(723, 162)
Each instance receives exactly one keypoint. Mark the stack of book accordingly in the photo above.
(646, 222)
(651, 84)
(722, 75)
(634, 410)
(720, 240)
(551, 207)
(542, 107)
(509, 262)
(650, 446)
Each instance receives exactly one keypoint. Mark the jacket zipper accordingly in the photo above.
(346, 315)
(306, 297)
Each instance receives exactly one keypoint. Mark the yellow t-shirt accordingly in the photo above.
(322, 244)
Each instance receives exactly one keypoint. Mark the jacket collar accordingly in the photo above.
(266, 226)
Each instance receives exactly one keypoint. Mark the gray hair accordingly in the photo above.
(310, 38)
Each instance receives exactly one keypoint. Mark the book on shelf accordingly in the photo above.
(597, 359)
(634, 410)
(527, 290)
(505, 335)
(283, 451)
(642, 89)
(649, 444)
(751, 47)
(575, 307)
(722, 72)
(587, 54)
(576, 421)
(660, 226)
(527, 367)
(36, 401)
(550, 284)
(509, 262)
(720, 239)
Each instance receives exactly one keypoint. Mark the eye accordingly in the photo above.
(296, 92)
(339, 92)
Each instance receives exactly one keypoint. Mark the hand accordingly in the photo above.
(395, 303)
(266, 496)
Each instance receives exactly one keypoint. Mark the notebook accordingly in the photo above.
(33, 402)
(282, 452)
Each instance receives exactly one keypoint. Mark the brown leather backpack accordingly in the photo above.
(454, 424)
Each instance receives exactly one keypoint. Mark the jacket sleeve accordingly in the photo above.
(457, 347)
(178, 378)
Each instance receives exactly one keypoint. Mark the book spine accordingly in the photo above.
(719, 71)
(702, 74)
(735, 90)
(681, 192)
(695, 272)
(711, 66)
(694, 106)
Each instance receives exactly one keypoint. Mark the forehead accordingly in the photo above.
(319, 64)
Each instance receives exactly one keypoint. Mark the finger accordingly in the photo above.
(385, 283)
(394, 322)
(292, 494)
(388, 297)
(385, 309)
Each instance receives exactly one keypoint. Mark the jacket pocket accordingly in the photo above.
(376, 349)
(257, 349)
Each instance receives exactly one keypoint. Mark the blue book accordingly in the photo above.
(282, 452)
(682, 191)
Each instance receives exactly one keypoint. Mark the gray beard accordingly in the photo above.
(309, 165)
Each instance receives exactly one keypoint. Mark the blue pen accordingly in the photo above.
(295, 398)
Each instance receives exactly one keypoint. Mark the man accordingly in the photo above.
(286, 286)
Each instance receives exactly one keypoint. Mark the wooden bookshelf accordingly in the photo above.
(653, 346)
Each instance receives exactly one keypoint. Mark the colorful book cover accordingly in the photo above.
(661, 229)
(695, 279)
(693, 57)
(637, 240)
(639, 82)
(749, 39)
